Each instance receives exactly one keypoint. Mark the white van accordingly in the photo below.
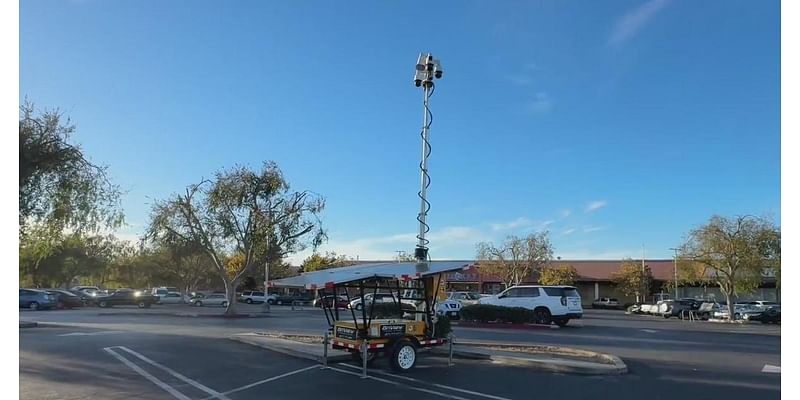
(557, 304)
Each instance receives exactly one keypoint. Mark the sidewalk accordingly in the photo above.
(309, 351)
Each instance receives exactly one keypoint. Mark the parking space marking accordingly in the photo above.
(648, 330)
(169, 389)
(489, 396)
(771, 369)
(90, 333)
(433, 392)
(198, 385)
(274, 378)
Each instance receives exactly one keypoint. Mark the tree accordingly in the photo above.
(516, 258)
(316, 262)
(734, 252)
(631, 280)
(59, 188)
(249, 214)
(563, 274)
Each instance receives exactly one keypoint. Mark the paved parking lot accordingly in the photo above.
(162, 357)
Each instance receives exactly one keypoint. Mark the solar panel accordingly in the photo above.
(336, 276)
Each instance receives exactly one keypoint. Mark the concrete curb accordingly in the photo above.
(184, 315)
(26, 324)
(612, 364)
(480, 325)
(289, 347)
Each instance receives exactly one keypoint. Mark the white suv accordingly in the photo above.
(251, 297)
(556, 304)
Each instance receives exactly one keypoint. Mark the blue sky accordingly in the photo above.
(610, 124)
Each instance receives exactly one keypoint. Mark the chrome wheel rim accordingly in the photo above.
(406, 357)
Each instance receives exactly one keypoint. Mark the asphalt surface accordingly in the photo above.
(667, 359)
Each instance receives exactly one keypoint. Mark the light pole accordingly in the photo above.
(426, 69)
(675, 266)
(266, 265)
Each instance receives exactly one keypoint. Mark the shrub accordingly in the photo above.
(442, 327)
(490, 313)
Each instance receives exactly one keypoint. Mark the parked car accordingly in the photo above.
(171, 298)
(289, 299)
(449, 308)
(679, 308)
(358, 303)
(35, 299)
(771, 314)
(250, 297)
(606, 303)
(331, 301)
(65, 298)
(214, 299)
(125, 297)
(85, 297)
(556, 304)
(739, 310)
(465, 298)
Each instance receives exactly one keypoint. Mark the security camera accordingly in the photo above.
(421, 62)
(437, 69)
(417, 82)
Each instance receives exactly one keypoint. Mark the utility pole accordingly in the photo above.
(675, 266)
(644, 286)
(266, 266)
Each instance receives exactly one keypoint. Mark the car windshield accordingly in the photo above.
(473, 296)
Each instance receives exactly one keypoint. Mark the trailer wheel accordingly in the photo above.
(370, 357)
(404, 356)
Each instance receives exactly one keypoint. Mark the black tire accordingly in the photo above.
(666, 316)
(542, 316)
(103, 304)
(562, 322)
(359, 306)
(736, 317)
(249, 301)
(198, 303)
(225, 304)
(370, 358)
(270, 302)
(278, 302)
(142, 304)
(34, 306)
(404, 356)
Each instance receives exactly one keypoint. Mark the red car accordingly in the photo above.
(341, 302)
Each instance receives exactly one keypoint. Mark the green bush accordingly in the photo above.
(442, 327)
(490, 313)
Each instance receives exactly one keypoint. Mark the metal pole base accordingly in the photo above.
(364, 357)
(325, 351)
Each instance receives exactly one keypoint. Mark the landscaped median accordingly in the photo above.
(541, 358)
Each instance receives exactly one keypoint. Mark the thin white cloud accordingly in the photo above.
(589, 229)
(566, 213)
(520, 222)
(596, 205)
(541, 104)
(588, 254)
(521, 79)
(386, 247)
(634, 20)
(568, 231)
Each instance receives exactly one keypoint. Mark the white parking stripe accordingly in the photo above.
(198, 385)
(90, 333)
(432, 384)
(169, 389)
(771, 369)
(433, 392)
(245, 387)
